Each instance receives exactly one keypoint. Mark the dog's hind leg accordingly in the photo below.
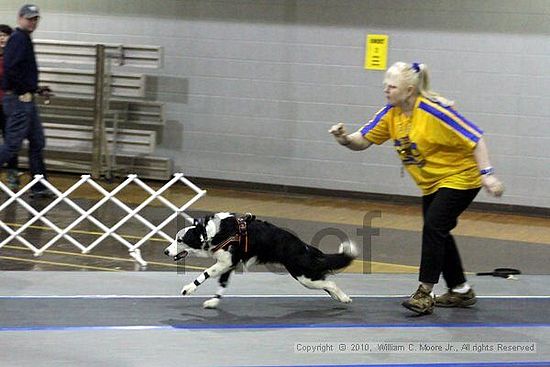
(215, 300)
(328, 286)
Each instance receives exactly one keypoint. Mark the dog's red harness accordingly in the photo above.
(241, 236)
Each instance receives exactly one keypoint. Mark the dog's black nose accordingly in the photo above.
(166, 252)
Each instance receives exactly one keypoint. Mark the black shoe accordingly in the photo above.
(42, 193)
(13, 180)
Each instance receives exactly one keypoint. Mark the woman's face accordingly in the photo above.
(396, 90)
(3, 39)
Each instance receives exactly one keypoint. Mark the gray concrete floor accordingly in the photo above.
(138, 319)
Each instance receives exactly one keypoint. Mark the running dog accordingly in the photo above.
(231, 240)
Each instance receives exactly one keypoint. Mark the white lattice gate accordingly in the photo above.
(108, 196)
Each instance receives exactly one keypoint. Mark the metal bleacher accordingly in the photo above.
(99, 120)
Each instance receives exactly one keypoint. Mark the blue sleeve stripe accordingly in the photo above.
(449, 121)
(368, 127)
(465, 120)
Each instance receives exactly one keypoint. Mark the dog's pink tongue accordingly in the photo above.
(181, 255)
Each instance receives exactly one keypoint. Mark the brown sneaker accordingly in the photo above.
(455, 299)
(420, 302)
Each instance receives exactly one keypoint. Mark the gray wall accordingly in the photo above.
(251, 87)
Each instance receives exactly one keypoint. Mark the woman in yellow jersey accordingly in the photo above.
(447, 157)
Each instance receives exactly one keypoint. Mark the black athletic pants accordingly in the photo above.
(439, 252)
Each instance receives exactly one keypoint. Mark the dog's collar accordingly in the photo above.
(241, 237)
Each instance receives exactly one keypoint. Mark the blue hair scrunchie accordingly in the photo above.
(416, 67)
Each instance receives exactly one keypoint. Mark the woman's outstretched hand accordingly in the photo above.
(492, 185)
(338, 130)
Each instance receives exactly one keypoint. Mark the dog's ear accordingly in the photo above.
(201, 229)
(199, 226)
(201, 221)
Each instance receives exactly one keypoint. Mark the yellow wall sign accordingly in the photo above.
(376, 52)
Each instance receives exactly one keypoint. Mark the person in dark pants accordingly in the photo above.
(20, 84)
(13, 163)
(447, 157)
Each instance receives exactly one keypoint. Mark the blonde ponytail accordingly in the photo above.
(416, 74)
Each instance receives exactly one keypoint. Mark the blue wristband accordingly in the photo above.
(487, 171)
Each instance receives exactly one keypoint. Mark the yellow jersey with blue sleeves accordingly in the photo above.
(436, 144)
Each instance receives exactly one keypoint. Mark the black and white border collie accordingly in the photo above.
(231, 240)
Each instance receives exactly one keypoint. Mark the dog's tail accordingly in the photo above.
(346, 254)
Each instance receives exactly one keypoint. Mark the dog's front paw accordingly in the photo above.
(188, 289)
(211, 303)
(341, 297)
(346, 299)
